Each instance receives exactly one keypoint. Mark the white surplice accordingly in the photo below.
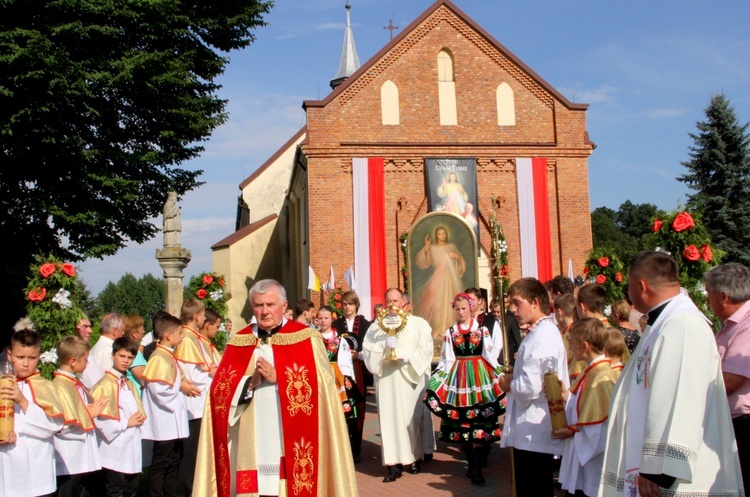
(582, 459)
(120, 445)
(399, 388)
(527, 420)
(27, 467)
(669, 412)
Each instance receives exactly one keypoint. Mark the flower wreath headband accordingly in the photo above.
(466, 297)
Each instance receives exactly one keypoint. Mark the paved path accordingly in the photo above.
(444, 475)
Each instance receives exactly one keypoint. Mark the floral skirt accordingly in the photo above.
(468, 400)
(349, 394)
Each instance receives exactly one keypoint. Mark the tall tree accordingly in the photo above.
(130, 295)
(719, 172)
(100, 104)
(623, 231)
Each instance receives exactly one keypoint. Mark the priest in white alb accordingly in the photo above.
(399, 387)
(670, 431)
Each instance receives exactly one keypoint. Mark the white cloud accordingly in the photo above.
(327, 26)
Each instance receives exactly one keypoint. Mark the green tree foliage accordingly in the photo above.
(143, 296)
(100, 103)
(623, 232)
(719, 172)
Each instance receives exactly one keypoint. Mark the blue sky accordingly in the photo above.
(647, 69)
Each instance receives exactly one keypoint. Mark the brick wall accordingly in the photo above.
(350, 126)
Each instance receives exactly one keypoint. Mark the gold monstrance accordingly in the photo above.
(392, 320)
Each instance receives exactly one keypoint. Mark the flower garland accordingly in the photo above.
(683, 235)
(605, 268)
(52, 294)
(209, 289)
(405, 268)
(334, 301)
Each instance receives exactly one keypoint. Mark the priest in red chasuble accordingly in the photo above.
(273, 423)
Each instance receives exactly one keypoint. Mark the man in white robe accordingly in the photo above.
(670, 432)
(399, 387)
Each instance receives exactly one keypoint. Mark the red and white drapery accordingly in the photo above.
(534, 221)
(369, 231)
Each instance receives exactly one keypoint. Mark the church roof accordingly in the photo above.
(290, 142)
(349, 59)
(243, 232)
(414, 25)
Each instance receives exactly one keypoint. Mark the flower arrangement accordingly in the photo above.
(683, 235)
(209, 288)
(52, 305)
(334, 301)
(605, 268)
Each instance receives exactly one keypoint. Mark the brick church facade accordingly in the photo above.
(443, 88)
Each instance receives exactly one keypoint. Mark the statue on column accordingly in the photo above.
(172, 223)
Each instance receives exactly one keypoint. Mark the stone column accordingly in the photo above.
(173, 260)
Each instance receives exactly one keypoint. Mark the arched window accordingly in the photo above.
(446, 89)
(445, 66)
(389, 103)
(506, 107)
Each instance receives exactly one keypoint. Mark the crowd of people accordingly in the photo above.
(655, 403)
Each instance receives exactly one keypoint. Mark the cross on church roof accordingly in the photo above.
(390, 27)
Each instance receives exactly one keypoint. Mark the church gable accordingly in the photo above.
(487, 96)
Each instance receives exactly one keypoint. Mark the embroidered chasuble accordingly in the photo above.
(669, 412)
(288, 439)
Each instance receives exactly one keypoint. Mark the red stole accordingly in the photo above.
(298, 394)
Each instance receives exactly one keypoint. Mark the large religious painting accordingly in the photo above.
(452, 187)
(442, 252)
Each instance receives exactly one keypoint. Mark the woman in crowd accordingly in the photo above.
(464, 391)
(620, 314)
(353, 327)
(340, 357)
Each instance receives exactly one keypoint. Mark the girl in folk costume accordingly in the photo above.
(340, 357)
(353, 327)
(464, 389)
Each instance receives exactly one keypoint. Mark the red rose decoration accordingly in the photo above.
(338, 305)
(504, 271)
(337, 296)
(69, 269)
(691, 253)
(683, 221)
(618, 277)
(201, 294)
(603, 261)
(586, 270)
(706, 253)
(46, 270)
(39, 294)
(601, 279)
(208, 279)
(657, 225)
(221, 281)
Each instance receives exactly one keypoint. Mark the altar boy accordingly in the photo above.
(527, 419)
(76, 448)
(587, 409)
(119, 424)
(27, 459)
(164, 404)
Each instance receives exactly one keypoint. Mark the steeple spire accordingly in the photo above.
(349, 60)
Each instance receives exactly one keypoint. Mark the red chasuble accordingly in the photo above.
(298, 390)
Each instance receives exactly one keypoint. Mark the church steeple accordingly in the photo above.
(349, 60)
